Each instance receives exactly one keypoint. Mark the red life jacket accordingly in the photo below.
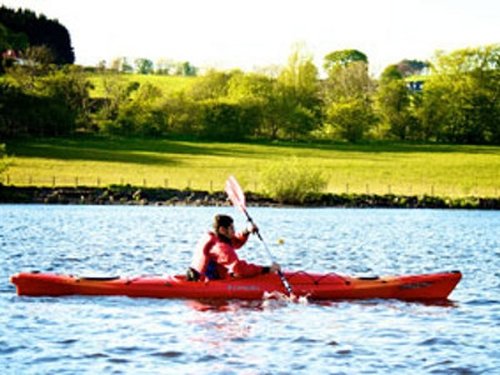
(212, 251)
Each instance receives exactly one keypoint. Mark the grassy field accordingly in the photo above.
(167, 84)
(381, 168)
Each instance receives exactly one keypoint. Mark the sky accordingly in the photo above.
(254, 34)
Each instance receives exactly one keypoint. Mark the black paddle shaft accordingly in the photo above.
(285, 282)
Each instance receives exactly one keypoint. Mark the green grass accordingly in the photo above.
(167, 84)
(441, 170)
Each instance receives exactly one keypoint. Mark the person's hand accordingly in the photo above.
(252, 228)
(275, 268)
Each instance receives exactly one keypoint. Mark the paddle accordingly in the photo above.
(237, 198)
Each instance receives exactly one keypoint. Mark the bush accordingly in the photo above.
(293, 181)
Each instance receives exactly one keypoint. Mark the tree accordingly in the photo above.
(52, 104)
(144, 66)
(10, 40)
(461, 99)
(395, 105)
(341, 59)
(212, 85)
(391, 73)
(393, 102)
(350, 118)
(40, 31)
(348, 96)
(298, 94)
(70, 86)
(263, 94)
(185, 69)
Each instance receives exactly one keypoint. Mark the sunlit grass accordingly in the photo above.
(381, 168)
(167, 84)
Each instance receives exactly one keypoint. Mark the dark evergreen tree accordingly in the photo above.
(40, 31)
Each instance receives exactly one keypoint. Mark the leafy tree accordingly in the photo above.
(182, 114)
(144, 66)
(260, 92)
(350, 118)
(461, 101)
(298, 98)
(342, 58)
(185, 69)
(226, 120)
(141, 114)
(212, 85)
(117, 92)
(53, 103)
(71, 86)
(391, 73)
(393, 102)
(348, 96)
(396, 105)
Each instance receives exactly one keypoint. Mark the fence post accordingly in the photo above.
(367, 189)
(144, 182)
(30, 182)
(165, 183)
(8, 179)
(76, 181)
(98, 182)
(53, 181)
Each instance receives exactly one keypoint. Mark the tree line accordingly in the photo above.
(457, 103)
(454, 98)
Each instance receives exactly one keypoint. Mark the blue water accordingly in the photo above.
(108, 335)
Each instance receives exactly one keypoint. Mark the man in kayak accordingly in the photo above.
(215, 255)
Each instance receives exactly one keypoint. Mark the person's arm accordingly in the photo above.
(242, 237)
(226, 257)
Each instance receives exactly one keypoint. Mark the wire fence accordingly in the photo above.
(336, 187)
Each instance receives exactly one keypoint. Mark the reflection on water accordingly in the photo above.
(141, 336)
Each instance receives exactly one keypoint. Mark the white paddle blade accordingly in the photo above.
(235, 194)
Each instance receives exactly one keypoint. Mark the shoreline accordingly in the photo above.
(129, 195)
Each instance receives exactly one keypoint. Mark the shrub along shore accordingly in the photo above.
(129, 195)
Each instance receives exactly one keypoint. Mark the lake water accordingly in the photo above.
(115, 335)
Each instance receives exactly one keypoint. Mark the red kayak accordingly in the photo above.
(330, 286)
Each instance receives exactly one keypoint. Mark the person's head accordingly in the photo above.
(224, 225)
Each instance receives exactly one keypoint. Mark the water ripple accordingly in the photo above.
(80, 335)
